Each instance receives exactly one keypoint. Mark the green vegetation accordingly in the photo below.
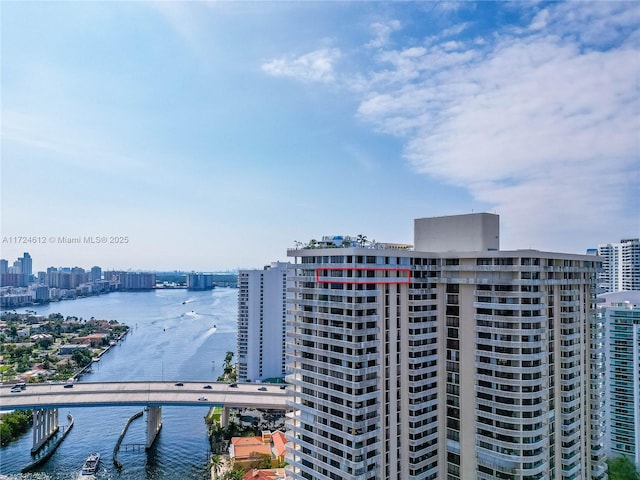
(14, 424)
(229, 371)
(31, 342)
(621, 468)
(235, 474)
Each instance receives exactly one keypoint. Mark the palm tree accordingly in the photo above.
(362, 240)
(216, 464)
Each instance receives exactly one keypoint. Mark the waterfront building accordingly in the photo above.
(66, 279)
(621, 314)
(131, 280)
(620, 265)
(40, 293)
(261, 322)
(200, 281)
(14, 300)
(450, 360)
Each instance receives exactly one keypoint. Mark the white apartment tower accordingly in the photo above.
(261, 322)
(620, 265)
(453, 360)
(621, 314)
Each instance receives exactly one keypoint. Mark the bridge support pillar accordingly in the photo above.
(224, 419)
(154, 424)
(45, 425)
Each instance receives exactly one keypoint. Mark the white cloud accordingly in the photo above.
(535, 126)
(454, 30)
(382, 32)
(535, 122)
(316, 66)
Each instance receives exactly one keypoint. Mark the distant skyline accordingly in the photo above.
(215, 135)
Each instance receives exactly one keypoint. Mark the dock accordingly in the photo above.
(50, 449)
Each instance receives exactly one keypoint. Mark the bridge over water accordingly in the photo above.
(46, 399)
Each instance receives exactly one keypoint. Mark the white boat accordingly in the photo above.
(91, 464)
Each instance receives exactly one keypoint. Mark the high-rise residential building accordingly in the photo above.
(450, 360)
(261, 322)
(4, 266)
(620, 265)
(621, 314)
(96, 274)
(137, 280)
(26, 264)
(200, 281)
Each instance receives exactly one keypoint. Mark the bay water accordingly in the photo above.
(175, 335)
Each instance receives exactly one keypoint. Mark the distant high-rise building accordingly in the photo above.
(4, 266)
(66, 280)
(16, 267)
(96, 273)
(621, 314)
(261, 322)
(620, 265)
(136, 280)
(452, 361)
(26, 264)
(199, 281)
(40, 293)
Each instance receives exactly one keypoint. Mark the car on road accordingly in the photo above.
(68, 385)
(15, 389)
(263, 389)
(202, 399)
(208, 387)
(283, 387)
(179, 384)
(234, 384)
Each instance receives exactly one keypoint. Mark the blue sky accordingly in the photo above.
(214, 135)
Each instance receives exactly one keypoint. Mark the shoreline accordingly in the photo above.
(78, 297)
(87, 367)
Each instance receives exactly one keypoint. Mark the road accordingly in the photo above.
(55, 395)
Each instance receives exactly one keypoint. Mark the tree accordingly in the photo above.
(14, 424)
(44, 343)
(621, 468)
(259, 460)
(81, 357)
(362, 240)
(235, 474)
(216, 464)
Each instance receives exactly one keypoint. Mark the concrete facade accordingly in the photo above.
(444, 365)
(475, 232)
(261, 322)
(621, 315)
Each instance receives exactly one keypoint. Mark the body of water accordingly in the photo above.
(175, 335)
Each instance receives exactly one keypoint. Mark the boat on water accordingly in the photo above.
(91, 464)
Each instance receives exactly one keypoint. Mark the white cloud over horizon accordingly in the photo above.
(539, 122)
